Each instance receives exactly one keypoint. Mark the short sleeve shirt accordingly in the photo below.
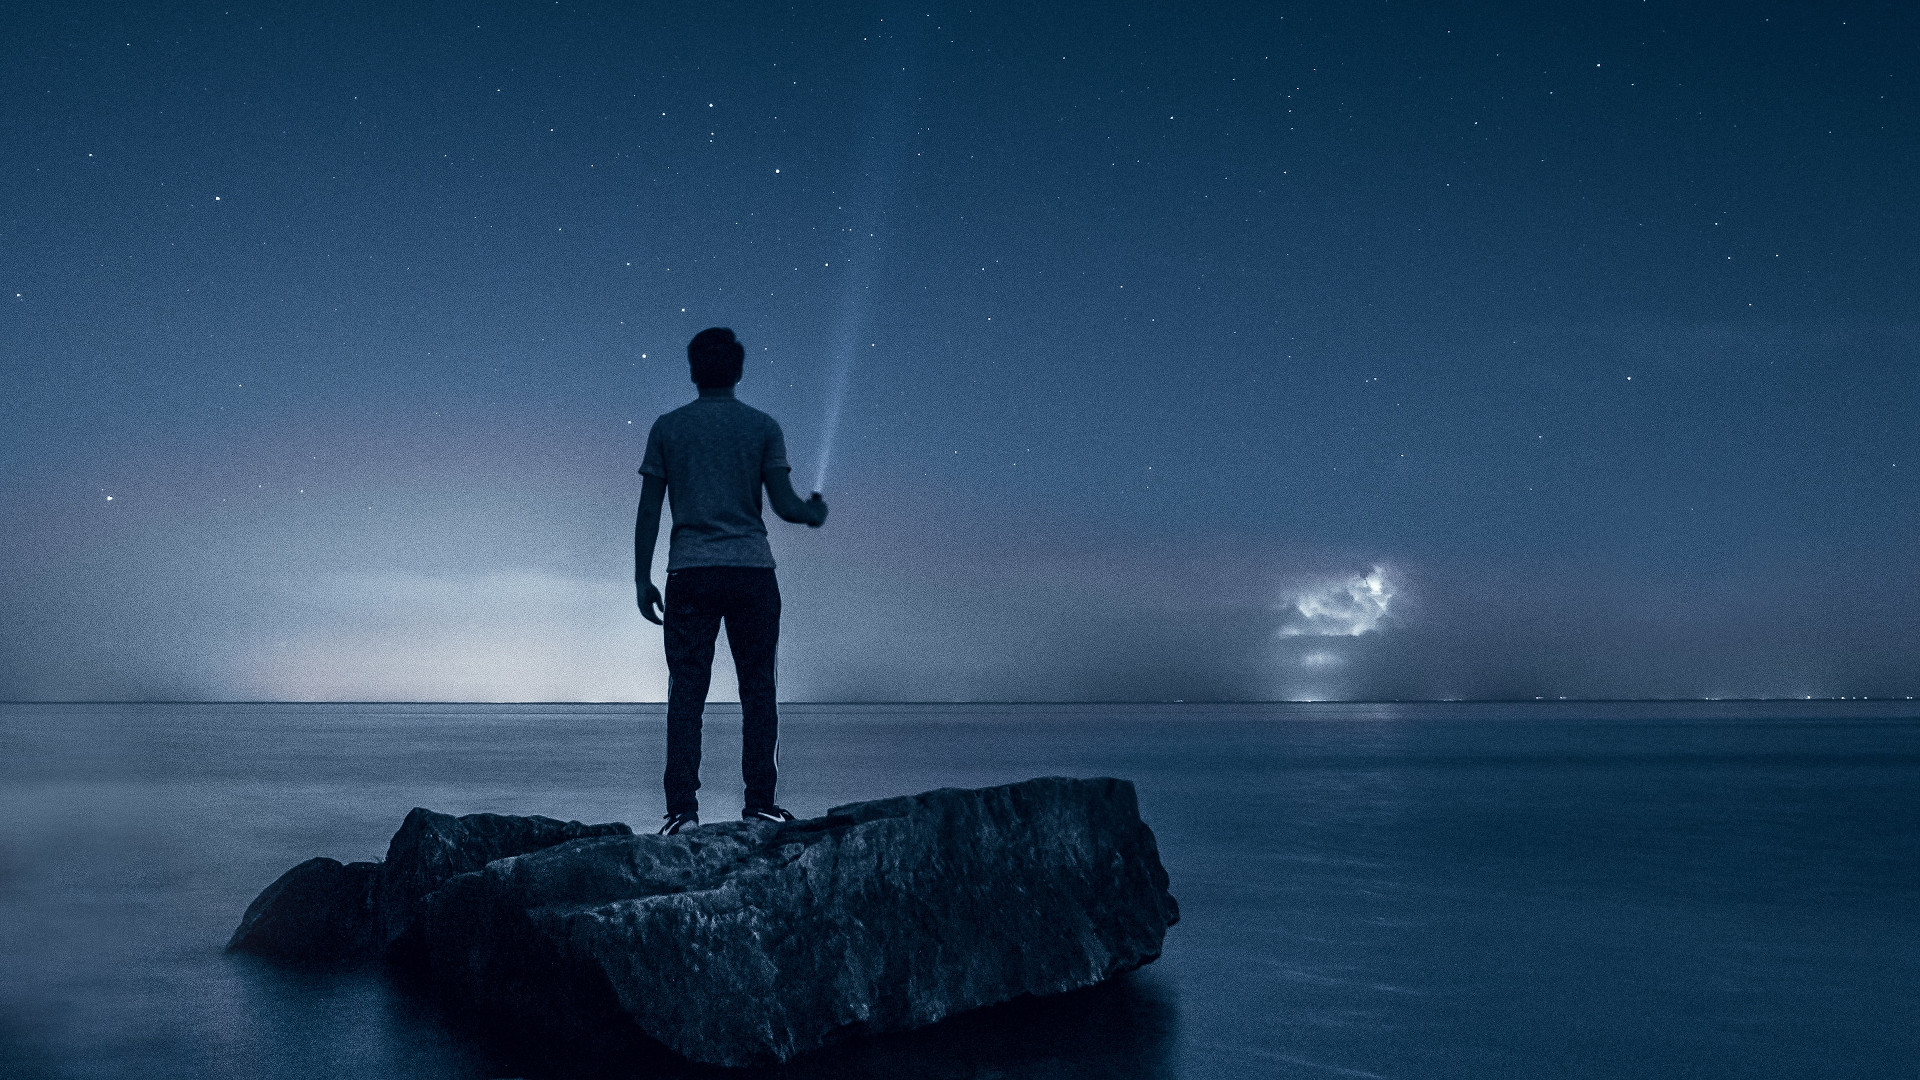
(712, 452)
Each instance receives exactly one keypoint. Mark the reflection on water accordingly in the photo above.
(1399, 891)
(300, 1024)
(1118, 1031)
(1123, 1030)
(294, 1024)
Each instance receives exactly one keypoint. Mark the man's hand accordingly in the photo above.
(786, 501)
(651, 607)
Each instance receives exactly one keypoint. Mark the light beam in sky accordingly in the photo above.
(888, 128)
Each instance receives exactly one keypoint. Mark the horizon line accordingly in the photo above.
(1015, 701)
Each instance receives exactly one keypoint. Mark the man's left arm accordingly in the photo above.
(646, 532)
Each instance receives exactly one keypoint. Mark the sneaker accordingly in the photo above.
(676, 822)
(765, 813)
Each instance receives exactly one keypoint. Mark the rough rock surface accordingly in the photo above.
(738, 943)
(431, 847)
(321, 912)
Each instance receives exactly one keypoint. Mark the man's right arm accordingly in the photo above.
(787, 503)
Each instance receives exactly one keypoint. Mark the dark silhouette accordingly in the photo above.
(710, 458)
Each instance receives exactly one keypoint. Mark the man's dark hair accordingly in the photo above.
(715, 357)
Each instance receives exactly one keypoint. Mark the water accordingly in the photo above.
(1551, 890)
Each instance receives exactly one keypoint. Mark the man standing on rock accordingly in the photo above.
(710, 458)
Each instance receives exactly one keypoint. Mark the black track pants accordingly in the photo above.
(698, 598)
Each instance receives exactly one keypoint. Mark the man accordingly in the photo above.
(710, 458)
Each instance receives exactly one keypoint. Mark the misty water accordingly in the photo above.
(1462, 890)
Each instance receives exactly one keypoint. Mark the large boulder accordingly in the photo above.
(739, 944)
(325, 913)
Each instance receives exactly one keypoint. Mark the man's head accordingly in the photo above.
(715, 358)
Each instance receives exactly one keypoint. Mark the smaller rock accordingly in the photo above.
(432, 847)
(320, 912)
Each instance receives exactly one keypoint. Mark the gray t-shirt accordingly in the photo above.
(711, 452)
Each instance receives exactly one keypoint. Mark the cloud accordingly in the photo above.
(1343, 608)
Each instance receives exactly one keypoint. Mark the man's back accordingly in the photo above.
(712, 453)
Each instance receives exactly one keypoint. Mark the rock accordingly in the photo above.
(431, 847)
(319, 912)
(739, 944)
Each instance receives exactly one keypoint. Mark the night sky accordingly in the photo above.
(1260, 351)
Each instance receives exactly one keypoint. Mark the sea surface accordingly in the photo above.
(1418, 891)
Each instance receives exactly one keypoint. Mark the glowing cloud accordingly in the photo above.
(1345, 608)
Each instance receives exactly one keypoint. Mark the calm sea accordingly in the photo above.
(1459, 890)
